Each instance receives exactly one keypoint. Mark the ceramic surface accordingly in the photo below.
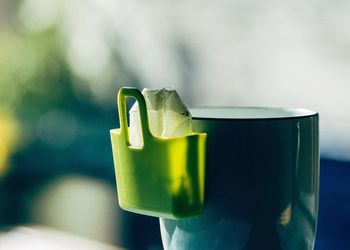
(262, 182)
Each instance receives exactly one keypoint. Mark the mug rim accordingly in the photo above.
(247, 113)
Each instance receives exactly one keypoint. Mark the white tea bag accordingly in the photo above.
(167, 116)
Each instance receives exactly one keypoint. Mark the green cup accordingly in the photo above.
(262, 182)
(163, 178)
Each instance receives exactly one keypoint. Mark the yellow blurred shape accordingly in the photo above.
(9, 135)
(286, 215)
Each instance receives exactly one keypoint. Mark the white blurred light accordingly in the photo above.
(38, 15)
(43, 238)
(88, 50)
(88, 55)
(79, 205)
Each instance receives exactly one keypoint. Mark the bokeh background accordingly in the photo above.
(62, 62)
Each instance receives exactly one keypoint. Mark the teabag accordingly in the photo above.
(167, 116)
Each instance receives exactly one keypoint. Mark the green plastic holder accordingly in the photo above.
(164, 178)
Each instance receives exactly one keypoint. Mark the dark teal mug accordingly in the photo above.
(262, 182)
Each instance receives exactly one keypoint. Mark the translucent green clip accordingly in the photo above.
(164, 178)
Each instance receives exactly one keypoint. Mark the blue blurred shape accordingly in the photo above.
(334, 211)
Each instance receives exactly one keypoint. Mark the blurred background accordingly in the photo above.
(62, 62)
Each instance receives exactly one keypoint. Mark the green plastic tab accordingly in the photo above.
(164, 178)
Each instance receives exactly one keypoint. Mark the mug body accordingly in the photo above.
(262, 182)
